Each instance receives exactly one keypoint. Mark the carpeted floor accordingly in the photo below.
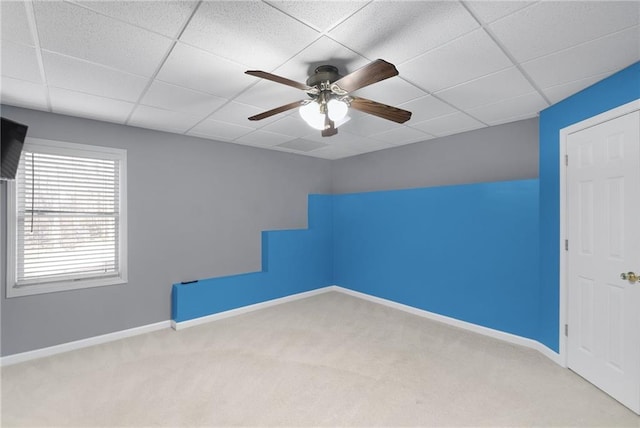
(331, 360)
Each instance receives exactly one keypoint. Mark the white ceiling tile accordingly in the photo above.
(342, 138)
(75, 31)
(164, 120)
(399, 30)
(89, 106)
(558, 93)
(402, 135)
(392, 91)
(511, 119)
(547, 27)
(164, 17)
(268, 95)
(290, 125)
(23, 94)
(490, 89)
(528, 105)
(489, 11)
(333, 151)
(288, 150)
(330, 154)
(364, 125)
(427, 107)
(262, 138)
(319, 15)
(606, 54)
(219, 130)
(82, 76)
(171, 97)
(239, 113)
(14, 24)
(195, 69)
(466, 58)
(300, 145)
(263, 38)
(20, 62)
(368, 145)
(323, 51)
(374, 149)
(447, 125)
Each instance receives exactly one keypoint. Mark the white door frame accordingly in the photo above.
(564, 134)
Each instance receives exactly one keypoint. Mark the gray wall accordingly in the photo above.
(504, 152)
(197, 207)
(195, 210)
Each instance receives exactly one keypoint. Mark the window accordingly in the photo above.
(67, 224)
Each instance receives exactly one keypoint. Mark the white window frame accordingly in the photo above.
(65, 149)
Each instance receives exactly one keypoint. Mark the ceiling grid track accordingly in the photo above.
(504, 50)
(429, 93)
(433, 94)
(33, 28)
(111, 17)
(229, 101)
(162, 61)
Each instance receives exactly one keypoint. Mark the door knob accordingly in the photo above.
(630, 276)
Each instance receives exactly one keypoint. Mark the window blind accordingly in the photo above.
(68, 218)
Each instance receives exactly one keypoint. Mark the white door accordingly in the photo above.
(603, 226)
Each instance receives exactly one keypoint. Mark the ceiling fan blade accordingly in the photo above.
(381, 110)
(373, 72)
(276, 110)
(278, 79)
(329, 127)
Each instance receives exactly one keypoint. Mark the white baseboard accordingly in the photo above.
(496, 334)
(70, 346)
(79, 344)
(250, 308)
(549, 353)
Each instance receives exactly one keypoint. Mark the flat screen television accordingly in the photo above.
(13, 135)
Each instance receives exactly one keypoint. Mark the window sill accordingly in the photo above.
(52, 287)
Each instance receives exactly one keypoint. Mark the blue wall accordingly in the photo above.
(469, 252)
(293, 261)
(619, 89)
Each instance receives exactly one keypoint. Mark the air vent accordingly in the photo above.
(302, 145)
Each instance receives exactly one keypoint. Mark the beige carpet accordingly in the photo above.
(331, 360)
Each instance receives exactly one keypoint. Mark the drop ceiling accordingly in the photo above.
(178, 66)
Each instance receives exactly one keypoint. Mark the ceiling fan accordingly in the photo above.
(330, 96)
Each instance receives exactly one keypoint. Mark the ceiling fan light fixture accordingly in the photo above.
(311, 114)
(337, 109)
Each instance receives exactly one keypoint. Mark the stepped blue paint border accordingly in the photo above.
(468, 252)
(614, 91)
(293, 261)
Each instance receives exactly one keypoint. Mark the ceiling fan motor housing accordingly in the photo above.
(323, 74)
